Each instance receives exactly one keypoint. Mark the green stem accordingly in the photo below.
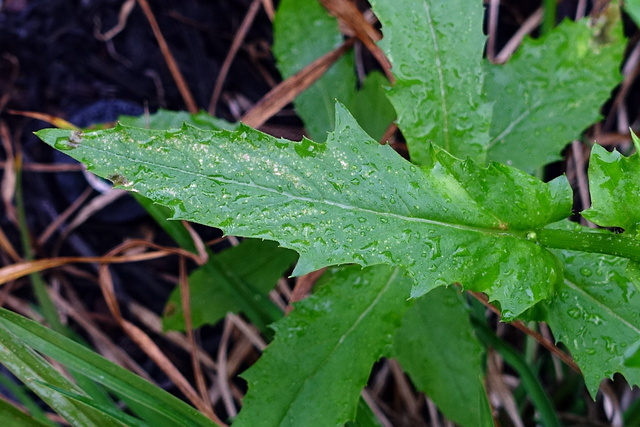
(588, 241)
(549, 18)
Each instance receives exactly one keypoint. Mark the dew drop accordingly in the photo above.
(586, 271)
(595, 319)
(574, 312)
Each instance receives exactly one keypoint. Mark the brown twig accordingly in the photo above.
(630, 70)
(303, 286)
(233, 50)
(348, 15)
(60, 219)
(11, 172)
(533, 334)
(185, 298)
(248, 331)
(142, 340)
(189, 101)
(286, 91)
(529, 25)
(21, 269)
(41, 167)
(52, 120)
(100, 339)
(9, 82)
(581, 177)
(200, 246)
(153, 322)
(123, 15)
(223, 375)
(494, 8)
(269, 9)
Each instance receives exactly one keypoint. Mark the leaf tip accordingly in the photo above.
(50, 136)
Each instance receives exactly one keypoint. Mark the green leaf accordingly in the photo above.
(20, 393)
(215, 288)
(595, 314)
(253, 264)
(615, 191)
(166, 119)
(322, 354)
(371, 107)
(551, 90)
(349, 200)
(435, 47)
(13, 417)
(33, 370)
(632, 7)
(232, 290)
(304, 31)
(109, 411)
(437, 348)
(91, 365)
(364, 417)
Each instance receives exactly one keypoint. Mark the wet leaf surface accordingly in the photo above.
(322, 354)
(551, 90)
(349, 200)
(436, 53)
(614, 183)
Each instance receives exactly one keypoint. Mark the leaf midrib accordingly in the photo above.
(513, 124)
(357, 322)
(441, 84)
(464, 227)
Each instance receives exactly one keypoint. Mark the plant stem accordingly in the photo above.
(549, 19)
(587, 241)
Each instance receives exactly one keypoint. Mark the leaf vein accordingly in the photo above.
(604, 307)
(513, 124)
(295, 197)
(443, 95)
(357, 322)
